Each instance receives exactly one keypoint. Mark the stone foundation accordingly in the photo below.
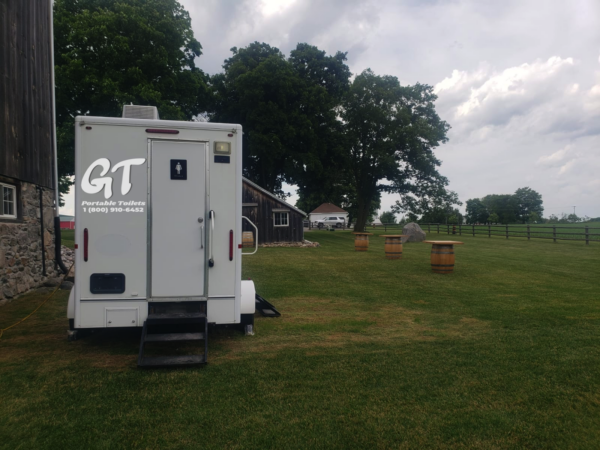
(21, 245)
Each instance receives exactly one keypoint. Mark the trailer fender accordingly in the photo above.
(71, 305)
(248, 295)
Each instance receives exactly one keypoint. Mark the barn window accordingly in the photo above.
(281, 219)
(8, 201)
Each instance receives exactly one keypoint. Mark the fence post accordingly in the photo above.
(489, 230)
(587, 236)
(460, 229)
(528, 236)
(473, 230)
(438, 225)
(554, 233)
(429, 228)
(506, 231)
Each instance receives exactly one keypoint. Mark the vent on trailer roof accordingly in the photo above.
(140, 112)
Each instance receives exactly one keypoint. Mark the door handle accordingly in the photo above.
(211, 216)
(200, 221)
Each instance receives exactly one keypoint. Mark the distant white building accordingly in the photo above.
(328, 210)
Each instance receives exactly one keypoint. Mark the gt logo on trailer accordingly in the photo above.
(97, 184)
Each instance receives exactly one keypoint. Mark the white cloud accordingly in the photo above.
(555, 157)
(270, 7)
(514, 91)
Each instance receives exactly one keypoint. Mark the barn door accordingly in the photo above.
(178, 220)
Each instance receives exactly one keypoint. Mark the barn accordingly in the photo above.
(67, 222)
(276, 220)
(26, 147)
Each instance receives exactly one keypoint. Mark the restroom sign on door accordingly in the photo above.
(178, 169)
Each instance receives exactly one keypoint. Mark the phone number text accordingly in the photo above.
(112, 210)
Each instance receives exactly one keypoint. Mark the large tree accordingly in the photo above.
(287, 109)
(388, 217)
(434, 204)
(528, 202)
(503, 205)
(477, 212)
(525, 205)
(114, 52)
(391, 131)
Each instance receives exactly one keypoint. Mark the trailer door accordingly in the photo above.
(178, 220)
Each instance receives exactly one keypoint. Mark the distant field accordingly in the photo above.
(543, 231)
(368, 353)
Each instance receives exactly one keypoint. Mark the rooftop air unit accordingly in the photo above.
(140, 112)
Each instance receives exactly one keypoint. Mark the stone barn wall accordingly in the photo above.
(21, 245)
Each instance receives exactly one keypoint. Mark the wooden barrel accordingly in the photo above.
(393, 247)
(442, 258)
(247, 239)
(361, 242)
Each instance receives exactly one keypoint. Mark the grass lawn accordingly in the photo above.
(368, 353)
(68, 238)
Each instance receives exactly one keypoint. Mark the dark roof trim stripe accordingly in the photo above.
(256, 186)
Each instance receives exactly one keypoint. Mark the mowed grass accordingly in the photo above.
(68, 238)
(368, 353)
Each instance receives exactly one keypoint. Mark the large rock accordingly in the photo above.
(413, 233)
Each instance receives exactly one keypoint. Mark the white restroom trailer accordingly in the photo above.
(158, 217)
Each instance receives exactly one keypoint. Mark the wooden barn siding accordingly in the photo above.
(262, 216)
(25, 91)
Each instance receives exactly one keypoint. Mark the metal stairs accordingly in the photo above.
(170, 324)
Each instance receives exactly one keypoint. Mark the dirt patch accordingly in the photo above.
(311, 324)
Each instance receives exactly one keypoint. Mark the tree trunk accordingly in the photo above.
(362, 214)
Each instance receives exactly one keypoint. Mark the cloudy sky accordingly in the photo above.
(518, 81)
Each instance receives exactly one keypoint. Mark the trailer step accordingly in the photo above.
(171, 361)
(265, 308)
(174, 327)
(171, 337)
(177, 316)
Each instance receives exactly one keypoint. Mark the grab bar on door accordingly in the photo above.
(211, 215)
(255, 240)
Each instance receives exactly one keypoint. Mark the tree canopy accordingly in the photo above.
(387, 217)
(434, 205)
(477, 211)
(304, 122)
(112, 52)
(287, 109)
(528, 202)
(525, 205)
(391, 131)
